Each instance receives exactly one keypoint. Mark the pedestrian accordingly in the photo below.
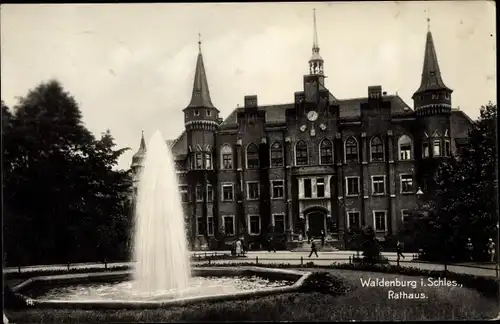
(323, 238)
(238, 248)
(491, 249)
(313, 249)
(399, 250)
(470, 248)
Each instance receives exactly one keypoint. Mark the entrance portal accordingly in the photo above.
(316, 223)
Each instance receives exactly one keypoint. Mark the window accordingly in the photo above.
(227, 192)
(276, 155)
(377, 149)
(210, 225)
(307, 188)
(254, 224)
(183, 190)
(227, 157)
(252, 156)
(200, 226)
(378, 185)
(425, 149)
(351, 150)
(228, 221)
(279, 223)
(320, 187)
(447, 148)
(199, 193)
(208, 161)
(252, 190)
(447, 96)
(209, 112)
(278, 188)
(406, 183)
(405, 147)
(326, 152)
(435, 96)
(301, 157)
(380, 221)
(352, 185)
(436, 147)
(210, 193)
(353, 219)
(405, 214)
(198, 161)
(196, 112)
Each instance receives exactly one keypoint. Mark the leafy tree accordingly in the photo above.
(370, 245)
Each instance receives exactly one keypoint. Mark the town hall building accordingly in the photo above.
(318, 163)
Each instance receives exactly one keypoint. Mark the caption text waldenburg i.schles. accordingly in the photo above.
(407, 289)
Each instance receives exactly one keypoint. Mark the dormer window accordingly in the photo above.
(447, 96)
(196, 112)
(435, 96)
(209, 112)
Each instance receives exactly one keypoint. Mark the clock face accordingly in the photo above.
(312, 115)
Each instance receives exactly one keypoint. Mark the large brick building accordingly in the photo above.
(316, 163)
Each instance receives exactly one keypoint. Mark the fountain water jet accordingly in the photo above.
(160, 249)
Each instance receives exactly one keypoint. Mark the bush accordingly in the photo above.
(325, 283)
(371, 246)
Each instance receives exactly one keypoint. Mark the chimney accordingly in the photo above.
(251, 101)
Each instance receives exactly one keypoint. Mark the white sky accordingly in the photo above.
(131, 66)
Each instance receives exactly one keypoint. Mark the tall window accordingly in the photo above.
(198, 161)
(425, 149)
(307, 188)
(210, 225)
(227, 192)
(210, 193)
(352, 186)
(301, 157)
(380, 221)
(320, 187)
(252, 156)
(354, 219)
(254, 224)
(279, 223)
(276, 155)
(378, 185)
(406, 183)
(405, 148)
(228, 221)
(326, 152)
(405, 215)
(447, 148)
(377, 149)
(183, 190)
(278, 188)
(208, 161)
(436, 147)
(199, 193)
(200, 226)
(252, 190)
(227, 157)
(351, 150)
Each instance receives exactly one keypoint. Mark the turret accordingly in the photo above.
(137, 162)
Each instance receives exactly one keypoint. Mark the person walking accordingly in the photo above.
(491, 250)
(469, 248)
(238, 247)
(399, 250)
(313, 249)
(322, 238)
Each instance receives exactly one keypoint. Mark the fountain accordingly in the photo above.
(162, 273)
(160, 251)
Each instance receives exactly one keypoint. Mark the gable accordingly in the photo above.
(460, 124)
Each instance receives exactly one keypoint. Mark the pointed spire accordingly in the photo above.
(431, 74)
(143, 142)
(316, 61)
(201, 95)
(139, 155)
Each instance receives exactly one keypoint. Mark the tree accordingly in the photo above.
(465, 203)
(59, 182)
(370, 245)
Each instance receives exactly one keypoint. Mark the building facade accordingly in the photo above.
(317, 163)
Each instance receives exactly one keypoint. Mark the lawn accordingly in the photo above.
(359, 303)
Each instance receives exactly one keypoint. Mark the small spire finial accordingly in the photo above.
(315, 40)
(199, 41)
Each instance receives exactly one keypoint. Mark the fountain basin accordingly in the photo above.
(295, 280)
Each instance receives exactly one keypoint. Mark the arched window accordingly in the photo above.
(405, 148)
(326, 152)
(252, 156)
(301, 157)
(276, 155)
(351, 150)
(377, 149)
(226, 153)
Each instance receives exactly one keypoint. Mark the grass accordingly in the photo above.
(356, 303)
